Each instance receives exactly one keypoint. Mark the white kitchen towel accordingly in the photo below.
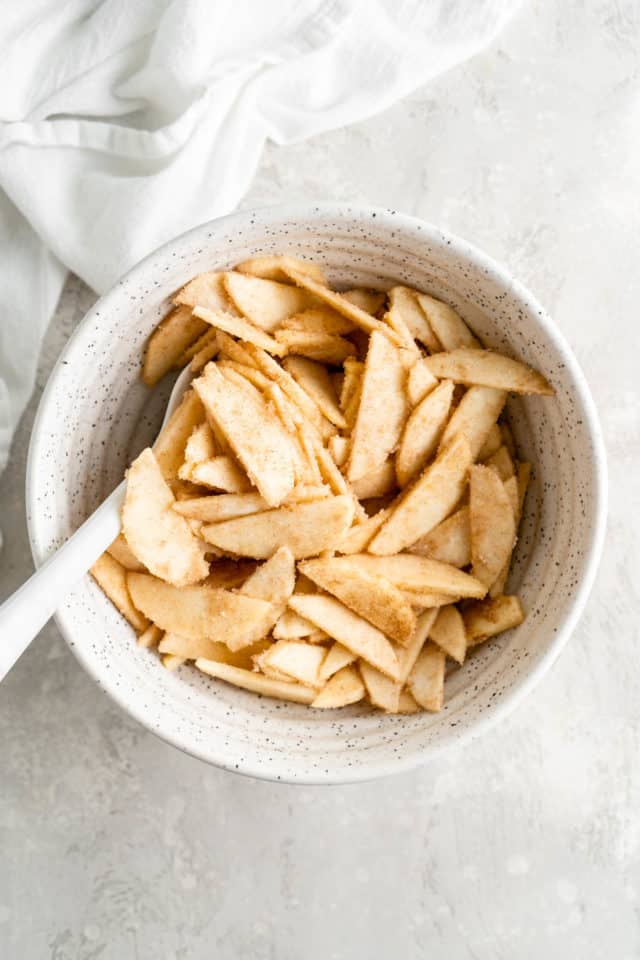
(125, 122)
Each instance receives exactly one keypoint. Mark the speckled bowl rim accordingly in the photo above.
(421, 231)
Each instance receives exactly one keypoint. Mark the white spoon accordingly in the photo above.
(29, 608)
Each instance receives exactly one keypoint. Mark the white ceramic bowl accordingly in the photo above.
(95, 414)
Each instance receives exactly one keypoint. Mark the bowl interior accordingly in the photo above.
(95, 415)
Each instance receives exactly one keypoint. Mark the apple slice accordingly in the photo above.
(352, 631)
(159, 537)
(370, 595)
(266, 454)
(199, 611)
(343, 688)
(428, 501)
(382, 411)
(488, 369)
(306, 528)
(257, 682)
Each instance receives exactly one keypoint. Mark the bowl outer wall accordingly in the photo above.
(565, 527)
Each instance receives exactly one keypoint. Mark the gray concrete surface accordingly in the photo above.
(525, 844)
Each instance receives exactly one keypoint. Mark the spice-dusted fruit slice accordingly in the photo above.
(306, 528)
(343, 688)
(271, 268)
(403, 303)
(265, 303)
(475, 416)
(449, 542)
(111, 577)
(423, 431)
(353, 632)
(297, 659)
(426, 680)
(167, 343)
(488, 369)
(449, 634)
(410, 572)
(382, 410)
(266, 452)
(159, 537)
(199, 611)
(487, 618)
(170, 446)
(371, 595)
(492, 524)
(450, 329)
(342, 304)
(315, 380)
(428, 501)
(257, 682)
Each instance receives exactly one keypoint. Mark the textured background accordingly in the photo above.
(524, 844)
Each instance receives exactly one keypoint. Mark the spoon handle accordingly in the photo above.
(29, 608)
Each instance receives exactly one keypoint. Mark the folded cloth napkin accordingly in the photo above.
(123, 124)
